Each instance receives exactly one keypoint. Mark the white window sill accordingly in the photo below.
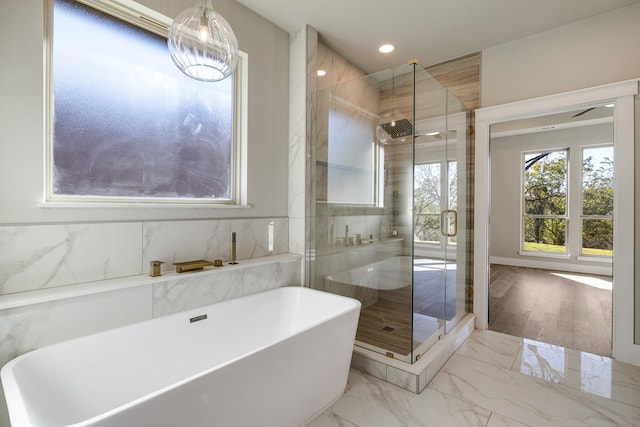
(604, 260)
(134, 205)
(544, 255)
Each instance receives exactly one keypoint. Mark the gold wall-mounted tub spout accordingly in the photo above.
(183, 267)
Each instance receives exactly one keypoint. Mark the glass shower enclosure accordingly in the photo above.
(389, 222)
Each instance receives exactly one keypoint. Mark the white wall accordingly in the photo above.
(84, 244)
(592, 52)
(53, 251)
(22, 117)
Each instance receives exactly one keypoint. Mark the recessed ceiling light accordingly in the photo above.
(386, 48)
(321, 73)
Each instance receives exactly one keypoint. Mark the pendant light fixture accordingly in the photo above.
(202, 43)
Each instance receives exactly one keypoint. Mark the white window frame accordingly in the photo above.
(443, 193)
(581, 255)
(444, 242)
(565, 217)
(150, 20)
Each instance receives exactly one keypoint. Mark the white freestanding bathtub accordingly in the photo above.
(277, 358)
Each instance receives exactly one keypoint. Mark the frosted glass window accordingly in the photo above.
(351, 172)
(127, 124)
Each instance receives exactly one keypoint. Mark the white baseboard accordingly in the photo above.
(605, 270)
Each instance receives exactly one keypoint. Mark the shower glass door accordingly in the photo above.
(371, 239)
(439, 217)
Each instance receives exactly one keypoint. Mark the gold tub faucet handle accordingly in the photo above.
(155, 268)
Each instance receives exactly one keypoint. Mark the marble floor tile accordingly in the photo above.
(370, 402)
(330, 419)
(541, 360)
(497, 420)
(491, 347)
(582, 371)
(496, 380)
(528, 399)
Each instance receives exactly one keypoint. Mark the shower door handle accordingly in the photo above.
(445, 224)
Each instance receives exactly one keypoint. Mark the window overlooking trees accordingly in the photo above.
(597, 201)
(545, 202)
(436, 190)
(545, 208)
(428, 193)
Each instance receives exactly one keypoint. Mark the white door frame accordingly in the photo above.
(621, 94)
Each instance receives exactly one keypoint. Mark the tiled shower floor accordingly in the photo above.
(496, 380)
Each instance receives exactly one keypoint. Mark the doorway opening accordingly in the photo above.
(626, 321)
(551, 255)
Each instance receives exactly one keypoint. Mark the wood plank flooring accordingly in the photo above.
(545, 306)
(387, 323)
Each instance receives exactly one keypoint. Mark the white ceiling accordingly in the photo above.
(433, 31)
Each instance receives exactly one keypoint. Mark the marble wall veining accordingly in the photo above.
(45, 256)
(343, 89)
(56, 251)
(68, 257)
(211, 239)
(184, 292)
(302, 84)
(53, 255)
(306, 56)
(25, 326)
(62, 281)
(28, 326)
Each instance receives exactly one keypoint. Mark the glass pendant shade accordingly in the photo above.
(202, 43)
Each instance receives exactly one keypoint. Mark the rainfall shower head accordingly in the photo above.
(398, 128)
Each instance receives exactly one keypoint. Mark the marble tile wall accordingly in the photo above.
(47, 256)
(44, 256)
(344, 85)
(185, 240)
(44, 260)
(343, 90)
(28, 326)
(302, 86)
(185, 292)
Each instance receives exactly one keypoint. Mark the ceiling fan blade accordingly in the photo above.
(583, 112)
